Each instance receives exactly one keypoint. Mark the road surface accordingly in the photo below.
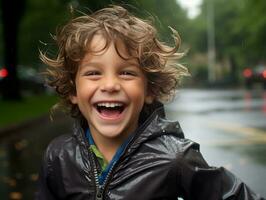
(230, 125)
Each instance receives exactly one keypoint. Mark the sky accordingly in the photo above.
(192, 6)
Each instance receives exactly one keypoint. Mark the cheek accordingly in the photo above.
(138, 91)
(85, 90)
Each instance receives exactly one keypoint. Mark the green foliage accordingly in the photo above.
(240, 27)
(166, 14)
(197, 34)
(28, 108)
(253, 25)
(41, 19)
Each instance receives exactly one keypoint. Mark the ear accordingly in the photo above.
(149, 99)
(73, 99)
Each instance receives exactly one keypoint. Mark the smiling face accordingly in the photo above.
(110, 92)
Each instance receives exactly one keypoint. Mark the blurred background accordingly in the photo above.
(222, 105)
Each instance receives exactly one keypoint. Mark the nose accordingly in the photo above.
(110, 84)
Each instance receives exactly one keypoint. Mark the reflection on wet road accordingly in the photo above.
(20, 157)
(231, 128)
(229, 125)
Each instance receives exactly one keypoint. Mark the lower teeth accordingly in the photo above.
(110, 109)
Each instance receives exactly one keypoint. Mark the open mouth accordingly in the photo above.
(110, 110)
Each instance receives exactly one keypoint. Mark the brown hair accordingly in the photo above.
(157, 60)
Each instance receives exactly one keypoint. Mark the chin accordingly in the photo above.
(112, 133)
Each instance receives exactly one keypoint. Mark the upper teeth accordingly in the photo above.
(110, 105)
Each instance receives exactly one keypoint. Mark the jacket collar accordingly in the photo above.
(154, 126)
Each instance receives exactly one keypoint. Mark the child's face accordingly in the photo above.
(110, 91)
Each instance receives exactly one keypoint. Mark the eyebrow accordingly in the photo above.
(87, 64)
(97, 64)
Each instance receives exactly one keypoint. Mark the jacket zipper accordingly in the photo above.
(101, 188)
(99, 191)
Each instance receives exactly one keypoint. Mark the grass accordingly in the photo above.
(29, 108)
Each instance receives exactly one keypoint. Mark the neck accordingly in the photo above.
(107, 146)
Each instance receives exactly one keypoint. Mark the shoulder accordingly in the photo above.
(177, 145)
(67, 141)
(65, 150)
(60, 146)
(170, 134)
(185, 153)
(59, 142)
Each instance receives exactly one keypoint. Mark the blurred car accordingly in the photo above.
(256, 75)
(3, 75)
(30, 79)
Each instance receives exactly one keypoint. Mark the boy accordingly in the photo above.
(112, 72)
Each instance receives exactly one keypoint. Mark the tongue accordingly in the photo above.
(110, 113)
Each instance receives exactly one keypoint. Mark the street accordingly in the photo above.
(230, 126)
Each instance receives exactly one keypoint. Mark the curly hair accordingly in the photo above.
(158, 61)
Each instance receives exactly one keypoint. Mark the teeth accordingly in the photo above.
(110, 105)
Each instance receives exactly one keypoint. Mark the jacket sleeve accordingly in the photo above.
(198, 181)
(44, 191)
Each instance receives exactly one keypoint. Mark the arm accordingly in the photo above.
(44, 192)
(198, 181)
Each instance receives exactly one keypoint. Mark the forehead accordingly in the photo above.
(99, 44)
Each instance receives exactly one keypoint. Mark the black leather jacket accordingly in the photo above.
(159, 163)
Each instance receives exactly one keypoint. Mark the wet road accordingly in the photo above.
(231, 128)
(229, 125)
(21, 154)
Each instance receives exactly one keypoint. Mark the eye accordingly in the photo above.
(92, 73)
(128, 73)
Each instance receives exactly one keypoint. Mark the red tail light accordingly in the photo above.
(264, 74)
(247, 73)
(3, 73)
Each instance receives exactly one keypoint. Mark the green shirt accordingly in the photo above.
(103, 162)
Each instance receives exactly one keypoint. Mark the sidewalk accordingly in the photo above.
(13, 128)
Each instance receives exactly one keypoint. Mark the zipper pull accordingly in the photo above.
(99, 194)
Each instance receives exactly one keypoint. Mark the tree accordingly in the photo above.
(253, 26)
(228, 36)
(23, 37)
(43, 17)
(12, 11)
